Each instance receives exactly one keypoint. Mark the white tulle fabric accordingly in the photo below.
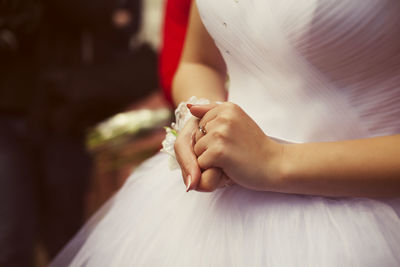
(305, 70)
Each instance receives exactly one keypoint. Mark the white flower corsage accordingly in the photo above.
(182, 115)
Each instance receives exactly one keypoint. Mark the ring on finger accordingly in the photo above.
(202, 130)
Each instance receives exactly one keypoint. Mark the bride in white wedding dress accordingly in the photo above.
(311, 145)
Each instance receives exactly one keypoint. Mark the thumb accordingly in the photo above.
(200, 110)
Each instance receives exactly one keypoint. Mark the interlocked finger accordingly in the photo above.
(185, 155)
(210, 180)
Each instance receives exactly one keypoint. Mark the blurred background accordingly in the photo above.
(80, 107)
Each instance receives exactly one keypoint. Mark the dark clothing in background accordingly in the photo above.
(64, 66)
(42, 186)
(88, 69)
(71, 62)
(19, 22)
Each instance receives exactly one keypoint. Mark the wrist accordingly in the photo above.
(183, 118)
(279, 167)
(287, 170)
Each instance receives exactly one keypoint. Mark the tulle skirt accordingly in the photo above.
(152, 221)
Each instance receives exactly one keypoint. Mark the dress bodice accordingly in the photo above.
(311, 70)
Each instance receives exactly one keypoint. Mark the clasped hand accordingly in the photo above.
(230, 149)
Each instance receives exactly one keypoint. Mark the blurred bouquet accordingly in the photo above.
(127, 125)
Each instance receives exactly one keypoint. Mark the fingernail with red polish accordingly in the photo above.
(189, 183)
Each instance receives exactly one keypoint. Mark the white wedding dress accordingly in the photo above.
(305, 71)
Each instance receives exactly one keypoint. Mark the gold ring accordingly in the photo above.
(202, 130)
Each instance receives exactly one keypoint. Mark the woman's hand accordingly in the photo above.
(185, 154)
(193, 178)
(232, 141)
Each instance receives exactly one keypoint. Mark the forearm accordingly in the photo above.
(366, 167)
(195, 79)
(202, 70)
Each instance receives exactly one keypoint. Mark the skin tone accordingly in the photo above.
(366, 167)
(201, 73)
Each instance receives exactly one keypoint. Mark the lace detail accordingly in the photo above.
(182, 116)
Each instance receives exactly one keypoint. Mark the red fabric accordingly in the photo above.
(174, 32)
